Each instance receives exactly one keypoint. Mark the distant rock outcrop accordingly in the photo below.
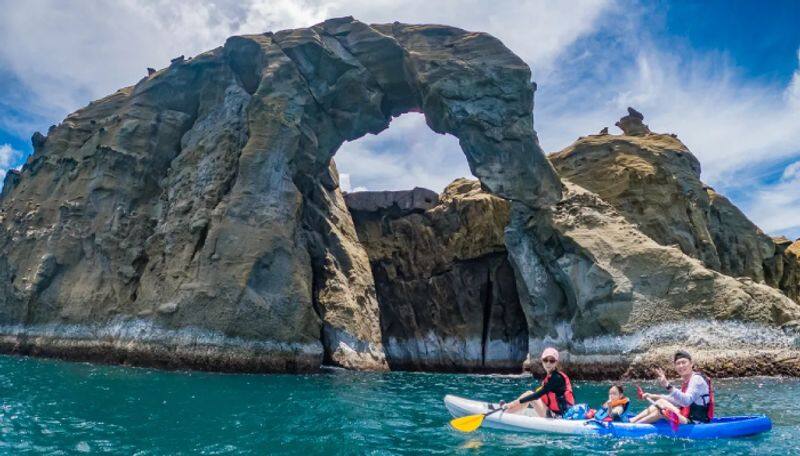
(632, 124)
(399, 203)
(654, 181)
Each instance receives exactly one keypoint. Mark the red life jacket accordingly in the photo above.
(709, 398)
(551, 400)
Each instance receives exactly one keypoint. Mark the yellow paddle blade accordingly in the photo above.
(467, 423)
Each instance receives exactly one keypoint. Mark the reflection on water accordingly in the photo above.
(52, 407)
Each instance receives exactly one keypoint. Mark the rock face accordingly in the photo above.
(612, 297)
(654, 181)
(632, 124)
(395, 202)
(783, 269)
(446, 291)
(194, 219)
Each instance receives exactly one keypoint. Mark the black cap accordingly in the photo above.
(681, 354)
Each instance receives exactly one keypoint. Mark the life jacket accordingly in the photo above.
(605, 412)
(701, 413)
(559, 403)
(623, 401)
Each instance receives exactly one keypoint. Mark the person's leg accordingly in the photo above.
(650, 415)
(644, 413)
(539, 408)
(654, 414)
(665, 404)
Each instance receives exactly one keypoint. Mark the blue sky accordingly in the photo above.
(723, 75)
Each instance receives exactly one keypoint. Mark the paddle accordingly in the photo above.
(673, 419)
(471, 422)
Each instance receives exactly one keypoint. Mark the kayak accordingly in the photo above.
(723, 427)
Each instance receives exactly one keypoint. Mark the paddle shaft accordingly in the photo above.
(493, 411)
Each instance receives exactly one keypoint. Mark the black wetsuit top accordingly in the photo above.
(555, 384)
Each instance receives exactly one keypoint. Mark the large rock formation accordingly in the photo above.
(654, 181)
(195, 219)
(605, 284)
(446, 291)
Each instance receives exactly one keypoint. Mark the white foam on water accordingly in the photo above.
(140, 330)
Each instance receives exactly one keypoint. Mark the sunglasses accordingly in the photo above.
(549, 360)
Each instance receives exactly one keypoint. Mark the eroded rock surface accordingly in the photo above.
(194, 219)
(445, 288)
(654, 181)
(608, 294)
(783, 269)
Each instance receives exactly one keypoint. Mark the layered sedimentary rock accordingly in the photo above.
(446, 291)
(195, 218)
(654, 181)
(617, 301)
(626, 301)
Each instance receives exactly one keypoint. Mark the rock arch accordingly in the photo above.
(195, 218)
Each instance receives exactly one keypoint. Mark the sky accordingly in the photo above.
(723, 75)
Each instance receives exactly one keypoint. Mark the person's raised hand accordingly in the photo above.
(662, 379)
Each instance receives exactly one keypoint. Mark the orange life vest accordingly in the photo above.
(623, 401)
(551, 400)
(708, 398)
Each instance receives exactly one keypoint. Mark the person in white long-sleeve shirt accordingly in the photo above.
(692, 403)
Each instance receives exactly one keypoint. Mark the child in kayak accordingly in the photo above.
(553, 397)
(615, 408)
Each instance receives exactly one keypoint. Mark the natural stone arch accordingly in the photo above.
(200, 208)
(466, 84)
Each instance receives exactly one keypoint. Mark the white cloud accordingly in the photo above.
(344, 182)
(793, 91)
(8, 156)
(406, 155)
(774, 206)
(81, 51)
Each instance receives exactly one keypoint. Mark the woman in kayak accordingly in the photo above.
(553, 397)
(692, 403)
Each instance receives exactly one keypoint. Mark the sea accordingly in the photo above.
(56, 407)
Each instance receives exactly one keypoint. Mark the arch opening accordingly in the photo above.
(406, 155)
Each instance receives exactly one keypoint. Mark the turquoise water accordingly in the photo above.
(53, 407)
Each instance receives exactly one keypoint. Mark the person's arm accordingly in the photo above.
(696, 388)
(654, 396)
(554, 383)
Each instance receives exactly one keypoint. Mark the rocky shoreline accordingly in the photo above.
(195, 220)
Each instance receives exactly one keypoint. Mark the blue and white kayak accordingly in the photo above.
(727, 427)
